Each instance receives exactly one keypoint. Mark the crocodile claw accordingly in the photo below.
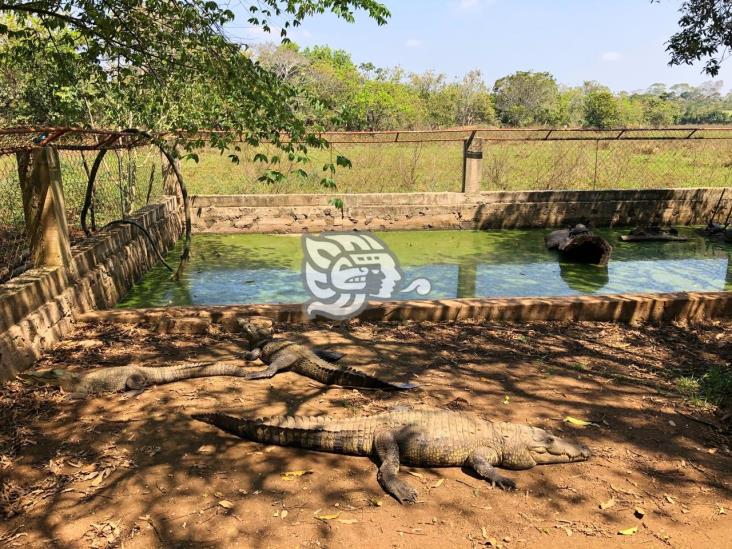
(503, 483)
(403, 492)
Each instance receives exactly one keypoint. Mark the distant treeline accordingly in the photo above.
(365, 97)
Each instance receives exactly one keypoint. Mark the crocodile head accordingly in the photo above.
(256, 330)
(56, 377)
(529, 446)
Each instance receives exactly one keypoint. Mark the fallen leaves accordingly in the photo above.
(103, 534)
(326, 516)
(579, 422)
(226, 504)
(628, 531)
(293, 475)
(607, 504)
(206, 449)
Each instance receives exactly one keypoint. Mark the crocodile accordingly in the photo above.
(281, 355)
(131, 377)
(421, 437)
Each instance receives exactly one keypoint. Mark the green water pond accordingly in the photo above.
(256, 268)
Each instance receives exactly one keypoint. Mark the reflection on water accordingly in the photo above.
(253, 268)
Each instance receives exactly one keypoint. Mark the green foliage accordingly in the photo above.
(527, 98)
(706, 33)
(601, 110)
(157, 64)
(713, 387)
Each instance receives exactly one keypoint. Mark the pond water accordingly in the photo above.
(255, 268)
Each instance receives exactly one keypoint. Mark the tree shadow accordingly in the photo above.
(168, 476)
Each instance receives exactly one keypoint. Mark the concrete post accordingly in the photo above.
(45, 214)
(472, 165)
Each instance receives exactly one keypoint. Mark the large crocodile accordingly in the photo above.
(281, 355)
(423, 438)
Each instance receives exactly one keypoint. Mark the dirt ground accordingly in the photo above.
(137, 472)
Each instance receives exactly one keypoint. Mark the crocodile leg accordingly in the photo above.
(282, 361)
(387, 450)
(482, 461)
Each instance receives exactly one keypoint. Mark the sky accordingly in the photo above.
(620, 43)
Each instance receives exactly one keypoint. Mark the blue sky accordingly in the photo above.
(620, 43)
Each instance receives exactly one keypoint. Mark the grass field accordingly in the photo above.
(506, 166)
(408, 167)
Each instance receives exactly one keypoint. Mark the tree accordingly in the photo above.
(601, 110)
(169, 65)
(659, 112)
(385, 105)
(474, 102)
(526, 97)
(706, 30)
(46, 82)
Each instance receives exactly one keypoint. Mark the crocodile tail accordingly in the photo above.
(350, 377)
(178, 372)
(314, 433)
(346, 376)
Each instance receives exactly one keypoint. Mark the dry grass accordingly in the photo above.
(434, 167)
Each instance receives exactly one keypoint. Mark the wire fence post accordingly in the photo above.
(594, 179)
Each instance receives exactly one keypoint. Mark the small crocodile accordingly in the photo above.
(422, 438)
(131, 377)
(281, 355)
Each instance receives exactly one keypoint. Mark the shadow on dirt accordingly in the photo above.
(72, 472)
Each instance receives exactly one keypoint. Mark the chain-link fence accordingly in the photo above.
(131, 172)
(432, 161)
(130, 175)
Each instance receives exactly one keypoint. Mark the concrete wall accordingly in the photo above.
(487, 210)
(38, 307)
(692, 307)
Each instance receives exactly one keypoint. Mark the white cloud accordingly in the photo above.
(610, 56)
(413, 43)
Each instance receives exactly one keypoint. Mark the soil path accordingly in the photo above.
(138, 472)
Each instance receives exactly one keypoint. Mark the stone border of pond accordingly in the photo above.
(297, 213)
(38, 307)
(692, 307)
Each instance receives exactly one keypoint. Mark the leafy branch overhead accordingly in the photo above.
(706, 34)
(160, 65)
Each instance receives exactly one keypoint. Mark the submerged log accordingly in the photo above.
(579, 245)
(654, 233)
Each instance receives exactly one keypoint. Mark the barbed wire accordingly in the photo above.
(69, 138)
